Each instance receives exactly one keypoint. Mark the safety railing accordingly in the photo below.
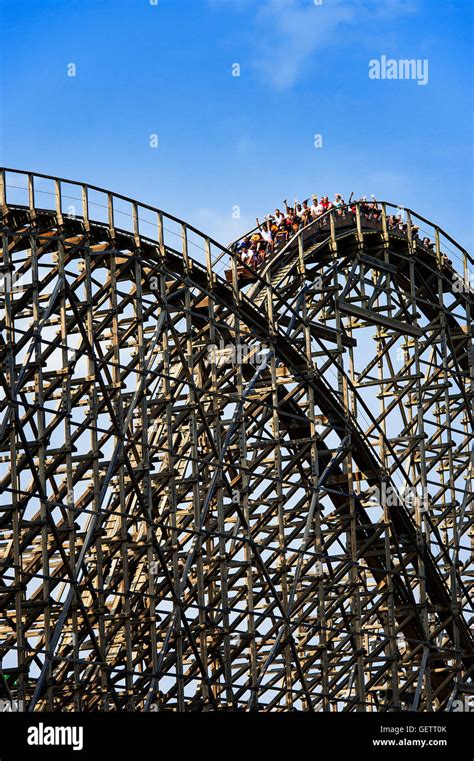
(41, 193)
(390, 219)
(68, 199)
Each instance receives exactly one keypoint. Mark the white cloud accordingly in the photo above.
(291, 33)
(288, 32)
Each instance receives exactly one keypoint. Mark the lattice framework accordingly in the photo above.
(185, 529)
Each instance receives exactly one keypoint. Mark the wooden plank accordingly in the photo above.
(379, 319)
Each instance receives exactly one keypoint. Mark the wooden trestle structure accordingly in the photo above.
(192, 529)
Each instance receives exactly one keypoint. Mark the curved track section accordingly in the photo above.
(228, 496)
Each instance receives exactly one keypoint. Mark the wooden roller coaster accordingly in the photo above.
(280, 524)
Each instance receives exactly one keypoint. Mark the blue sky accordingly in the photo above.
(246, 141)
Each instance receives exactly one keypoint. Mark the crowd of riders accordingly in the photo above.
(276, 229)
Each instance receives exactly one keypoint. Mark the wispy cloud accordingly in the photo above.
(291, 32)
(287, 33)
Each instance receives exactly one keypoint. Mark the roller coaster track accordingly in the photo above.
(191, 529)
